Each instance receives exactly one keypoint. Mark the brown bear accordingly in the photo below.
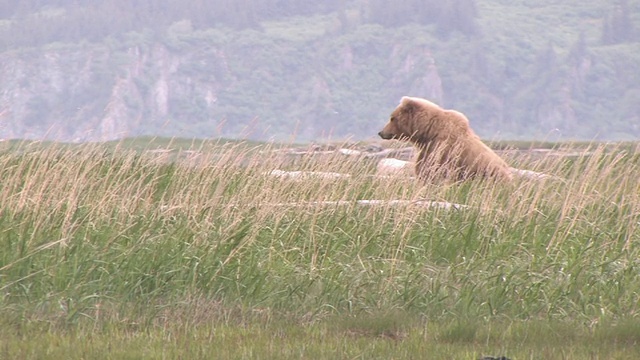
(447, 146)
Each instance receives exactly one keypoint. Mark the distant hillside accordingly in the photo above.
(267, 69)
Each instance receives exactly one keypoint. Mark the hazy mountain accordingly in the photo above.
(279, 69)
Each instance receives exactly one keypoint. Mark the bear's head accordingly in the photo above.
(408, 119)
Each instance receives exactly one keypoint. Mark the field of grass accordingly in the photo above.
(131, 251)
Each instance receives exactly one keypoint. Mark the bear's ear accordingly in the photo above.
(405, 100)
(408, 104)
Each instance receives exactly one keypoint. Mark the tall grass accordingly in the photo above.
(95, 235)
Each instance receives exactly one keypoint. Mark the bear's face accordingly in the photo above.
(391, 130)
(400, 125)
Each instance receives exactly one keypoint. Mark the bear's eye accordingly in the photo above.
(392, 119)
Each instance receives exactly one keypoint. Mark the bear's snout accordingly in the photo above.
(384, 135)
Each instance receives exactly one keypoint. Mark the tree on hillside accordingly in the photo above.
(458, 15)
(394, 14)
(546, 60)
(578, 51)
(8, 8)
(617, 26)
(449, 16)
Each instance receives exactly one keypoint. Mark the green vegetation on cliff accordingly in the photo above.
(279, 69)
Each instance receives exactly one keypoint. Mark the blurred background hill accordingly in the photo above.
(74, 70)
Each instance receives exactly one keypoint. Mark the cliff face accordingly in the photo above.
(250, 85)
(94, 94)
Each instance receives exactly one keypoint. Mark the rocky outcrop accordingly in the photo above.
(246, 84)
(93, 93)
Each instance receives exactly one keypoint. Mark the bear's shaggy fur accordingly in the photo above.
(447, 145)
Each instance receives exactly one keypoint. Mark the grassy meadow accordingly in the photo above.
(195, 250)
